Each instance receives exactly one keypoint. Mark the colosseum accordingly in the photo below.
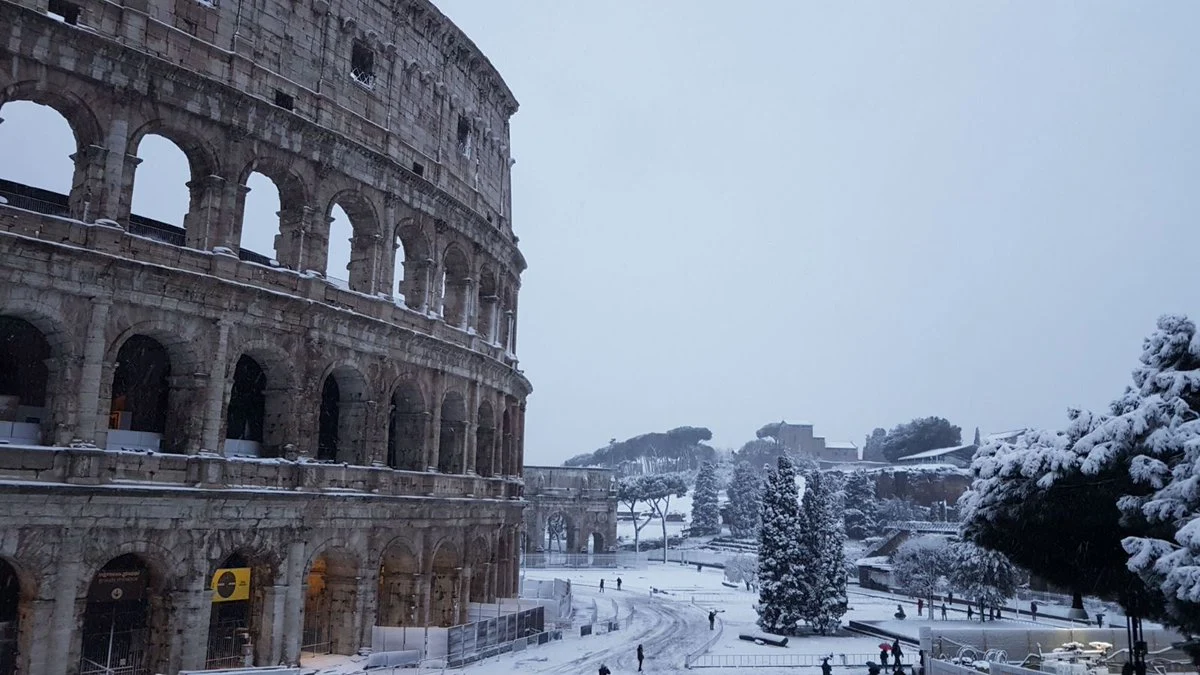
(211, 455)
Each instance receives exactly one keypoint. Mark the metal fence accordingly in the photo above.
(480, 639)
(777, 660)
(691, 659)
(114, 652)
(583, 560)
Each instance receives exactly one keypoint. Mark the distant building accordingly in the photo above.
(800, 439)
(959, 456)
(1005, 436)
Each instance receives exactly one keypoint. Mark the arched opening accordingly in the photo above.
(452, 440)
(455, 282)
(596, 543)
(162, 197)
(504, 461)
(260, 220)
(123, 620)
(34, 130)
(329, 601)
(487, 304)
(240, 585)
(24, 378)
(556, 533)
(342, 421)
(399, 599)
(406, 429)
(444, 596)
(341, 232)
(412, 266)
(485, 437)
(507, 319)
(247, 409)
(140, 392)
(10, 617)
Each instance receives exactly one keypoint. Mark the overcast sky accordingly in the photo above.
(845, 213)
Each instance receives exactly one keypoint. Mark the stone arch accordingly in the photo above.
(596, 543)
(506, 457)
(445, 576)
(18, 589)
(277, 399)
(455, 286)
(330, 601)
(508, 318)
(413, 260)
(400, 600)
(487, 304)
(65, 101)
(485, 439)
(32, 353)
(452, 439)
(407, 420)
(126, 616)
(206, 187)
(561, 532)
(341, 435)
(246, 411)
(173, 417)
(363, 264)
(294, 202)
(232, 622)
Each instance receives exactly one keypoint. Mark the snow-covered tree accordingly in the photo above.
(921, 567)
(742, 569)
(706, 516)
(861, 506)
(631, 491)
(745, 500)
(823, 543)
(783, 596)
(984, 576)
(1154, 431)
(658, 490)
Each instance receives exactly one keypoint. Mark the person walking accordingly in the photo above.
(712, 619)
(601, 585)
(641, 655)
(897, 653)
(943, 611)
(826, 669)
(970, 612)
(618, 583)
(604, 670)
(950, 597)
(883, 655)
(920, 605)
(1033, 609)
(1099, 619)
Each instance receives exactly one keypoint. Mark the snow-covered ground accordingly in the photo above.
(673, 624)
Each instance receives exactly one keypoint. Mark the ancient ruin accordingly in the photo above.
(207, 450)
(570, 511)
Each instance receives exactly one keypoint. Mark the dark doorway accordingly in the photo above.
(406, 429)
(327, 436)
(24, 374)
(10, 617)
(116, 636)
(247, 404)
(140, 386)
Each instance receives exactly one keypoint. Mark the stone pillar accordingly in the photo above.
(119, 167)
(234, 217)
(377, 422)
(435, 429)
(193, 608)
(462, 596)
(33, 648)
(363, 256)
(87, 196)
(268, 644)
(343, 612)
(353, 433)
(184, 426)
(88, 402)
(471, 429)
(468, 309)
(294, 240)
(214, 395)
(203, 219)
(366, 608)
(293, 605)
(426, 301)
(520, 462)
(62, 641)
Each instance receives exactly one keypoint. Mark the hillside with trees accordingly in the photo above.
(680, 449)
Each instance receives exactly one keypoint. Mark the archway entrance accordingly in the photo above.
(116, 620)
(24, 376)
(596, 544)
(342, 417)
(485, 436)
(483, 556)
(247, 410)
(332, 590)
(140, 391)
(399, 599)
(444, 597)
(406, 429)
(235, 619)
(10, 617)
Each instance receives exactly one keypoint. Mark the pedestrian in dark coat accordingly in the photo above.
(970, 612)
(883, 656)
(601, 585)
(712, 619)
(604, 670)
(943, 611)
(897, 652)
(920, 605)
(618, 583)
(641, 655)
(826, 669)
(1033, 610)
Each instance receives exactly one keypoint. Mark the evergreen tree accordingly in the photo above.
(783, 597)
(706, 517)
(745, 501)
(822, 543)
(862, 510)
(987, 577)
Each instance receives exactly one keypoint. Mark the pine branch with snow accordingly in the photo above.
(745, 501)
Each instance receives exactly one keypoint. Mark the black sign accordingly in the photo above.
(118, 586)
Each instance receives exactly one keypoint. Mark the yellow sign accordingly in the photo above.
(231, 584)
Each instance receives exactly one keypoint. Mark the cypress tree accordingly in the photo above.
(783, 596)
(706, 516)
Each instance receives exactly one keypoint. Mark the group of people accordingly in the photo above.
(618, 584)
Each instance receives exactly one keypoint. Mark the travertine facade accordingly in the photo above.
(582, 502)
(175, 406)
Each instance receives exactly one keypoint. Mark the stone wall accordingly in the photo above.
(584, 499)
(925, 487)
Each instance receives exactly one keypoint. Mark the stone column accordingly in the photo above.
(234, 217)
(293, 241)
(520, 463)
(193, 607)
(268, 644)
(33, 649)
(293, 605)
(353, 433)
(377, 422)
(61, 640)
(119, 167)
(184, 426)
(471, 429)
(468, 310)
(435, 429)
(366, 608)
(203, 219)
(214, 395)
(88, 401)
(427, 286)
(462, 599)
(87, 196)
(363, 247)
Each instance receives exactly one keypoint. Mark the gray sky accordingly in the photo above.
(846, 213)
